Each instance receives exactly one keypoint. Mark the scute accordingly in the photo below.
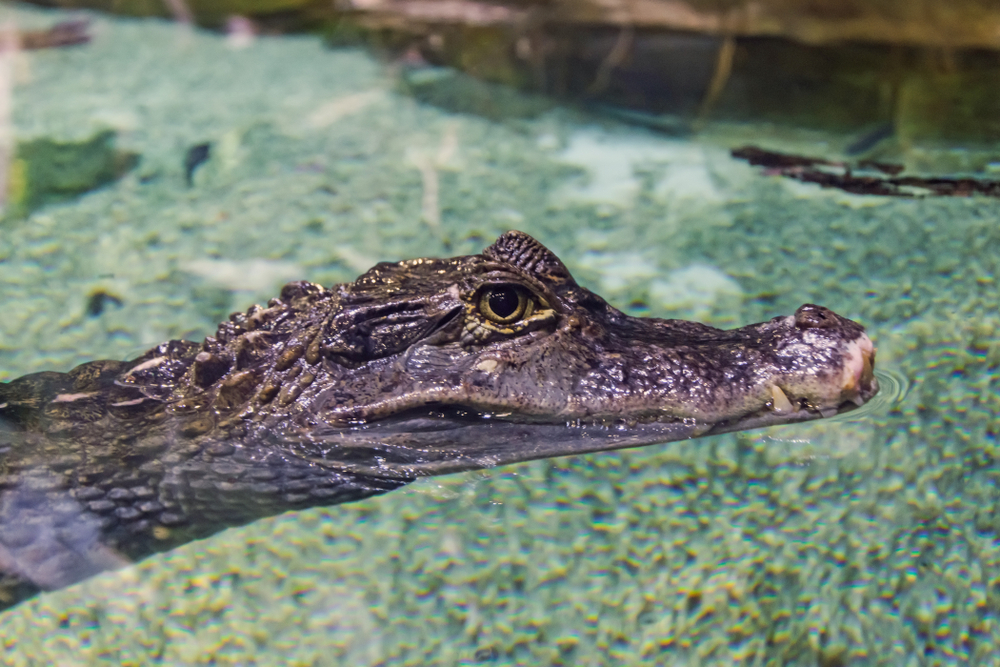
(520, 250)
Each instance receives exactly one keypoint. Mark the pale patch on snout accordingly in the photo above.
(69, 398)
(858, 363)
(152, 363)
(487, 365)
(134, 401)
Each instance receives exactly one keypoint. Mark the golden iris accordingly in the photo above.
(506, 304)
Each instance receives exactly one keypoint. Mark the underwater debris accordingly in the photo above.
(458, 92)
(181, 12)
(98, 299)
(240, 32)
(194, 158)
(876, 178)
(65, 33)
(871, 139)
(48, 170)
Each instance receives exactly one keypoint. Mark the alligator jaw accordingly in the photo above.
(434, 439)
(447, 439)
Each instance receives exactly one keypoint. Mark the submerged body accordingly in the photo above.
(418, 368)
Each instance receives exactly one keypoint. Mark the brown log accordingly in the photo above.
(953, 24)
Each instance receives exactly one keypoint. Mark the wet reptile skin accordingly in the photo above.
(418, 368)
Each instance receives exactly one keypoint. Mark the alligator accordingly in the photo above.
(327, 395)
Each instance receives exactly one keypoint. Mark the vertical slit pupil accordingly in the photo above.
(504, 302)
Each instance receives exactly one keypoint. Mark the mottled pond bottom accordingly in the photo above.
(870, 542)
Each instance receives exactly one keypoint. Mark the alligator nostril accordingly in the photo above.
(811, 316)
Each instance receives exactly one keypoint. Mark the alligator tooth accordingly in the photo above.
(828, 412)
(700, 429)
(780, 402)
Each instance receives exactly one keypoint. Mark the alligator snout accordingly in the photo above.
(859, 371)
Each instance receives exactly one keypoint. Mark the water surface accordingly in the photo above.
(868, 541)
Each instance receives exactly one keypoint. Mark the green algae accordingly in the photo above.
(45, 171)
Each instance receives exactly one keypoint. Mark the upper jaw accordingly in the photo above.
(787, 369)
(808, 365)
(422, 437)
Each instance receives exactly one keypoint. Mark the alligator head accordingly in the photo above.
(433, 366)
(417, 368)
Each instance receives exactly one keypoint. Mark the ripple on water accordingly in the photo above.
(893, 388)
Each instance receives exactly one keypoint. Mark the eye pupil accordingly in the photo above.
(504, 302)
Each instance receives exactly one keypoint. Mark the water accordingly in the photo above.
(864, 541)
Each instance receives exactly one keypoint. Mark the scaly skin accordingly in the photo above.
(418, 368)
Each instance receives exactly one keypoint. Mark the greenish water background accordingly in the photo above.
(866, 542)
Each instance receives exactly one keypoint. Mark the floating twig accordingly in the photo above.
(876, 178)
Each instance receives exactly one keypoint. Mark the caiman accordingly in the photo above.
(422, 367)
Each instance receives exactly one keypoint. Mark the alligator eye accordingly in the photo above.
(506, 304)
